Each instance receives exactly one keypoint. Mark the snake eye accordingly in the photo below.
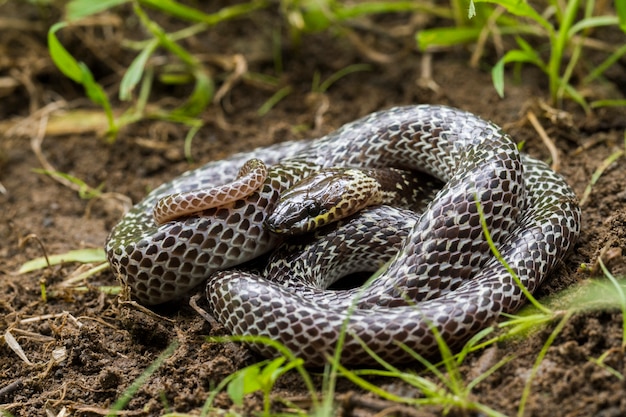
(313, 208)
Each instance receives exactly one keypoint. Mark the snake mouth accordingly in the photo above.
(293, 218)
(276, 227)
(281, 229)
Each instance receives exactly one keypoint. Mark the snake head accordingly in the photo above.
(327, 196)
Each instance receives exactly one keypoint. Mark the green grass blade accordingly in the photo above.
(521, 8)
(620, 7)
(324, 86)
(559, 43)
(142, 379)
(246, 381)
(575, 95)
(204, 87)
(454, 380)
(506, 266)
(376, 7)
(521, 325)
(607, 103)
(95, 255)
(195, 127)
(489, 372)
(375, 389)
(61, 58)
(443, 37)
(94, 91)
(606, 64)
(282, 351)
(592, 22)
(135, 71)
(600, 362)
(194, 15)
(200, 97)
(516, 55)
(78, 72)
(83, 276)
(273, 100)
(620, 295)
(598, 173)
(85, 191)
(176, 9)
(77, 9)
(535, 368)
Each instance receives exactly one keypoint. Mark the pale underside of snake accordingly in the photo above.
(443, 275)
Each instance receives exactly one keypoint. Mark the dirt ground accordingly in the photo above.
(106, 344)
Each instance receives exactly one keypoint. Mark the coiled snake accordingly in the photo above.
(444, 274)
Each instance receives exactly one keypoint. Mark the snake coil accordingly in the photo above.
(444, 275)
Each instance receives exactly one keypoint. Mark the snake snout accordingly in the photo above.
(293, 217)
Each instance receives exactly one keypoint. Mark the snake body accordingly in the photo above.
(443, 276)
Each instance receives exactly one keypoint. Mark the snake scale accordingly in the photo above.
(443, 275)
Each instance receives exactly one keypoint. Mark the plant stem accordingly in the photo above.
(558, 46)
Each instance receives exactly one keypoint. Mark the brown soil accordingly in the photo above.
(109, 343)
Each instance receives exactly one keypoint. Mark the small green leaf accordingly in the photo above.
(78, 72)
(85, 256)
(471, 11)
(272, 371)
(520, 8)
(260, 376)
(61, 58)
(94, 91)
(135, 70)
(497, 77)
(446, 37)
(315, 17)
(516, 55)
(245, 382)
